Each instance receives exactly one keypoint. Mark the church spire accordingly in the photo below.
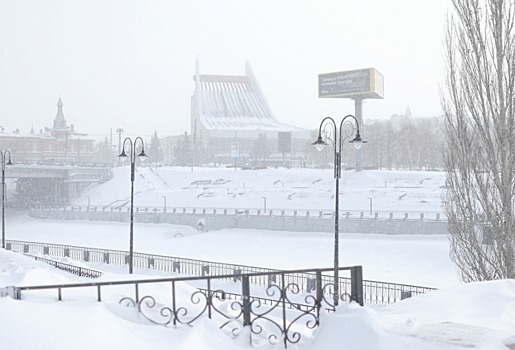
(59, 121)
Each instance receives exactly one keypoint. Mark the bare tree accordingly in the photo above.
(480, 137)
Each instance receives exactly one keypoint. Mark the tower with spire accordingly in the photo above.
(59, 121)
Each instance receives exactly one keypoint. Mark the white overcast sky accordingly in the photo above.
(129, 64)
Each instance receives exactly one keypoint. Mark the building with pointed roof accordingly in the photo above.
(230, 115)
(59, 144)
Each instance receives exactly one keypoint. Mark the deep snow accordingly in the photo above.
(479, 315)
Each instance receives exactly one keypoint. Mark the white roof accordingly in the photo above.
(234, 103)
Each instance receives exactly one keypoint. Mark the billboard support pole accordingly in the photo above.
(358, 84)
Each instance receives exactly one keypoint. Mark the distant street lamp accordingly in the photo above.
(4, 154)
(164, 198)
(264, 204)
(339, 135)
(129, 147)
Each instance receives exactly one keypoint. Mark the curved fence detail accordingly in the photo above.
(283, 316)
(374, 292)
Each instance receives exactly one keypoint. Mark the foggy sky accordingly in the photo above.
(129, 64)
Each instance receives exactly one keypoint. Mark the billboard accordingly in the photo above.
(359, 83)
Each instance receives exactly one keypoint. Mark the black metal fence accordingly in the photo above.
(374, 292)
(76, 270)
(279, 318)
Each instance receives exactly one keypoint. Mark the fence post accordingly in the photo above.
(237, 275)
(14, 292)
(271, 279)
(245, 292)
(356, 284)
(320, 294)
(405, 294)
(310, 284)
(176, 266)
(209, 298)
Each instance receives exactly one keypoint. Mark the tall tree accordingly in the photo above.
(104, 153)
(155, 151)
(184, 151)
(261, 149)
(480, 137)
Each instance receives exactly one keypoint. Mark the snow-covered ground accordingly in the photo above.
(419, 191)
(476, 315)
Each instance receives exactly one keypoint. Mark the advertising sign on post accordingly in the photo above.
(359, 83)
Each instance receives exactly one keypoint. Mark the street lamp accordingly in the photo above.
(4, 154)
(339, 135)
(130, 147)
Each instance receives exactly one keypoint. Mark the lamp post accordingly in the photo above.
(164, 208)
(129, 147)
(339, 135)
(4, 154)
(264, 204)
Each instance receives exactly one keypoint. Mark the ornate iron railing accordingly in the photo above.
(277, 318)
(375, 292)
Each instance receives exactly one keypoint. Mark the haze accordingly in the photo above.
(129, 64)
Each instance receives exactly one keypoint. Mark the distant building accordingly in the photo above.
(231, 122)
(59, 145)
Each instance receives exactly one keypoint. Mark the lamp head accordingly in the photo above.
(142, 155)
(357, 141)
(123, 156)
(319, 143)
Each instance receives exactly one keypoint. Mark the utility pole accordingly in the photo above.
(119, 131)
